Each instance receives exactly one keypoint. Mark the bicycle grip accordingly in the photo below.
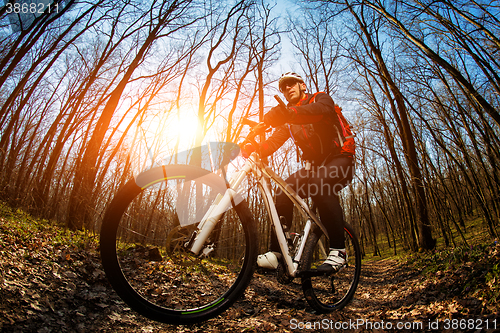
(249, 122)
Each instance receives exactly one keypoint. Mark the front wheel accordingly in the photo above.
(145, 238)
(329, 293)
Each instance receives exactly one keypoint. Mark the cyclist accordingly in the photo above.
(318, 128)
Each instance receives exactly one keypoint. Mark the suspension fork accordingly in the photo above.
(221, 204)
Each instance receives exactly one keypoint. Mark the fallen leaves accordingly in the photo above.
(48, 284)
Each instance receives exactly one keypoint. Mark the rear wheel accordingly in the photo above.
(144, 238)
(330, 293)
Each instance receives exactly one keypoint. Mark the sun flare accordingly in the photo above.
(183, 127)
(163, 134)
(166, 131)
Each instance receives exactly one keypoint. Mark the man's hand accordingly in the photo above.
(260, 128)
(277, 116)
(246, 150)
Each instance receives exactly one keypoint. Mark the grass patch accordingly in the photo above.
(475, 234)
(30, 230)
(463, 271)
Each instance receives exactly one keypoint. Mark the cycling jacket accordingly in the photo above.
(318, 128)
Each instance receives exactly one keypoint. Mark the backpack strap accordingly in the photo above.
(347, 144)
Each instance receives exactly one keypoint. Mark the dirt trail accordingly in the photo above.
(47, 288)
(50, 285)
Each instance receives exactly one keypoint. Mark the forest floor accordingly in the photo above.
(52, 281)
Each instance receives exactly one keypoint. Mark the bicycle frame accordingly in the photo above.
(264, 175)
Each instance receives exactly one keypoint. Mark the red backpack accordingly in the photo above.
(346, 138)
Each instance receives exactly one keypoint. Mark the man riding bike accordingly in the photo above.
(318, 128)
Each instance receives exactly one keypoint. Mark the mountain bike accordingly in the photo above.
(179, 243)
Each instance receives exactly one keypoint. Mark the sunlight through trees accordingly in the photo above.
(96, 91)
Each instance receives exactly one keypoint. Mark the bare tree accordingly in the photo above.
(437, 59)
(163, 20)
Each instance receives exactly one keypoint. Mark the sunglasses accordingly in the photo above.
(288, 83)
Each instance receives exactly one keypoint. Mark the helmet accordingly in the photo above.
(288, 77)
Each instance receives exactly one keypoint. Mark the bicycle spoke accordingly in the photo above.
(146, 254)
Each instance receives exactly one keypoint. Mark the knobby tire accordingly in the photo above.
(143, 253)
(329, 293)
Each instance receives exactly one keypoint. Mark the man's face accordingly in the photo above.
(293, 90)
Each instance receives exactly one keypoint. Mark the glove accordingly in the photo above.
(246, 150)
(277, 116)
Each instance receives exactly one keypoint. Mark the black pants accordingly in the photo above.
(323, 185)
